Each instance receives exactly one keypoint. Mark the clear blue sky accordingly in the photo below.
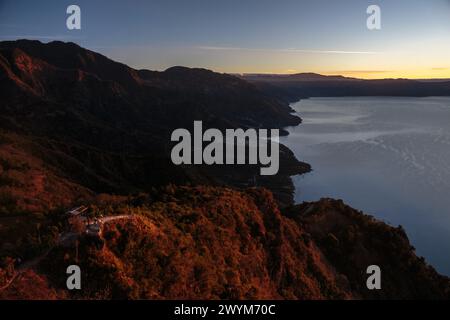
(283, 36)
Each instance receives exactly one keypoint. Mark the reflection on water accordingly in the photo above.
(387, 156)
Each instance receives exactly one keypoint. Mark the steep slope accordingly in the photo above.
(351, 241)
(218, 243)
(28, 184)
(108, 126)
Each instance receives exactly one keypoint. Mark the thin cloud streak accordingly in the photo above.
(361, 71)
(212, 48)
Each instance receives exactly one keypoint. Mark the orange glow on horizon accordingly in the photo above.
(437, 73)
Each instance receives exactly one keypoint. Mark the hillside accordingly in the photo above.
(78, 129)
(217, 243)
(107, 127)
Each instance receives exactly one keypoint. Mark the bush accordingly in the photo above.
(7, 199)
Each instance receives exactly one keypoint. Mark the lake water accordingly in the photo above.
(389, 157)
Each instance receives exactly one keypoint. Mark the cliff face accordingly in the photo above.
(218, 243)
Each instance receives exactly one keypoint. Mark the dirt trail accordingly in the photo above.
(62, 238)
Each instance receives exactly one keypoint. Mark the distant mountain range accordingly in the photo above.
(307, 76)
(303, 85)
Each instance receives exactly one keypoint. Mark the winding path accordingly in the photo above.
(62, 238)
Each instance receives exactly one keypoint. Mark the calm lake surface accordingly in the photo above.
(389, 157)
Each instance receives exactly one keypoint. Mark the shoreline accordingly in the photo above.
(336, 172)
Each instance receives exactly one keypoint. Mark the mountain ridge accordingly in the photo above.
(66, 94)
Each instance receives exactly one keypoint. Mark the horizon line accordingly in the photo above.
(346, 74)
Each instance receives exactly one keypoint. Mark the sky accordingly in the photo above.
(249, 36)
